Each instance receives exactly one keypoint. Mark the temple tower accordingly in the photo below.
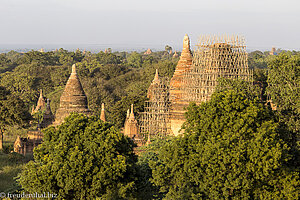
(102, 115)
(131, 128)
(41, 104)
(155, 119)
(176, 94)
(73, 99)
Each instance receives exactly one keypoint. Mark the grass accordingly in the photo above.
(11, 165)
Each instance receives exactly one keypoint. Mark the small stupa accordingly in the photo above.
(148, 52)
(41, 104)
(102, 115)
(131, 128)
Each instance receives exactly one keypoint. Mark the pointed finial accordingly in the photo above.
(149, 139)
(102, 115)
(128, 113)
(41, 93)
(131, 116)
(186, 41)
(73, 69)
(48, 102)
(156, 77)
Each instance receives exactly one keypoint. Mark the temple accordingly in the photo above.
(194, 80)
(25, 145)
(41, 104)
(131, 128)
(155, 118)
(73, 99)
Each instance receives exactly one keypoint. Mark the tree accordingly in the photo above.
(12, 112)
(145, 189)
(83, 158)
(284, 90)
(232, 149)
(168, 48)
(135, 60)
(238, 85)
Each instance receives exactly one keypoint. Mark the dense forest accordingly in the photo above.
(236, 146)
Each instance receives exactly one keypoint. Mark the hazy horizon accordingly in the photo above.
(137, 25)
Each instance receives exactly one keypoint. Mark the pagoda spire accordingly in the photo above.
(41, 93)
(74, 69)
(41, 104)
(176, 92)
(131, 115)
(156, 79)
(102, 115)
(128, 113)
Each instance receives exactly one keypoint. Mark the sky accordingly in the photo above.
(148, 24)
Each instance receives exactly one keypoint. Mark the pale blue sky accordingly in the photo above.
(264, 23)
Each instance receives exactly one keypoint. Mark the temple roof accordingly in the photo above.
(155, 84)
(40, 104)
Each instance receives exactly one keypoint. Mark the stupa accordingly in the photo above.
(131, 128)
(73, 99)
(41, 104)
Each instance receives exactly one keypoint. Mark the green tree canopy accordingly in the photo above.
(284, 90)
(231, 149)
(135, 60)
(83, 158)
(12, 111)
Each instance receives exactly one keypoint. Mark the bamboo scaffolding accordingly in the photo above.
(155, 118)
(215, 57)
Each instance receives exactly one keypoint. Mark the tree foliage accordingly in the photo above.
(83, 158)
(12, 111)
(232, 149)
(284, 90)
